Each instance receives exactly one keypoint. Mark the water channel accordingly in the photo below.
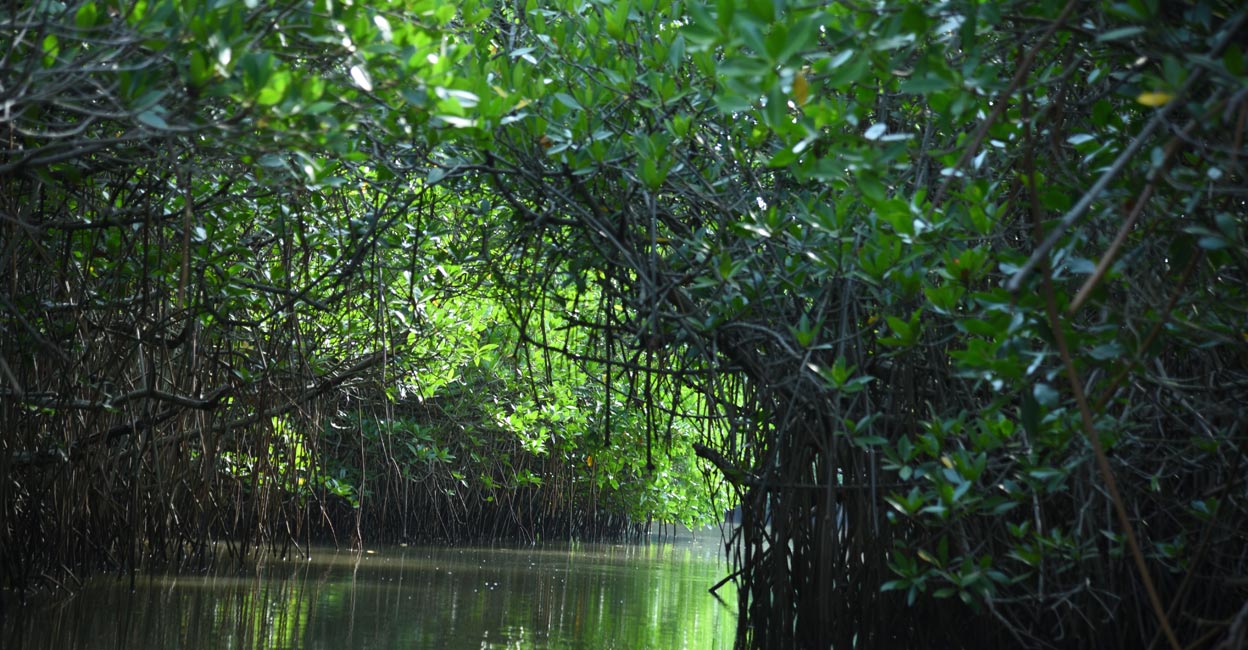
(550, 596)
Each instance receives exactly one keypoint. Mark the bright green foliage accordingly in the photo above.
(813, 214)
(231, 284)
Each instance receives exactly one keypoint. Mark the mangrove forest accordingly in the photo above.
(942, 304)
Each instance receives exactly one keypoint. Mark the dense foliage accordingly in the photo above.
(234, 307)
(949, 296)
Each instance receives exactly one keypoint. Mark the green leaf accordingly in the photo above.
(676, 54)
(153, 119)
(652, 174)
(945, 297)
(1103, 352)
(51, 50)
(776, 113)
(361, 78)
(744, 66)
(271, 160)
(801, 38)
(1120, 33)
(86, 16)
(1030, 415)
(1227, 224)
(763, 10)
(569, 101)
(200, 71)
(900, 327)
(701, 28)
(841, 77)
(617, 19)
(805, 332)
(929, 83)
(1213, 243)
(1046, 395)
(257, 68)
(1045, 473)
(274, 90)
(783, 158)
(893, 42)
(1233, 59)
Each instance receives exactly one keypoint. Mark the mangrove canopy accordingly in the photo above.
(947, 297)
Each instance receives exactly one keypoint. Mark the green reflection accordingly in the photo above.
(584, 596)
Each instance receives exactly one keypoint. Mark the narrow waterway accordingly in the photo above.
(547, 596)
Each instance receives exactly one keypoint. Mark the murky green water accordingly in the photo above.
(583, 596)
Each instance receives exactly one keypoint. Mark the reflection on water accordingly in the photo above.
(585, 596)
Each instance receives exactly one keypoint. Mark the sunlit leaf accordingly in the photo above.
(361, 78)
(801, 88)
(1154, 99)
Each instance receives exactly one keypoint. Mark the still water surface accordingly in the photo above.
(549, 596)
